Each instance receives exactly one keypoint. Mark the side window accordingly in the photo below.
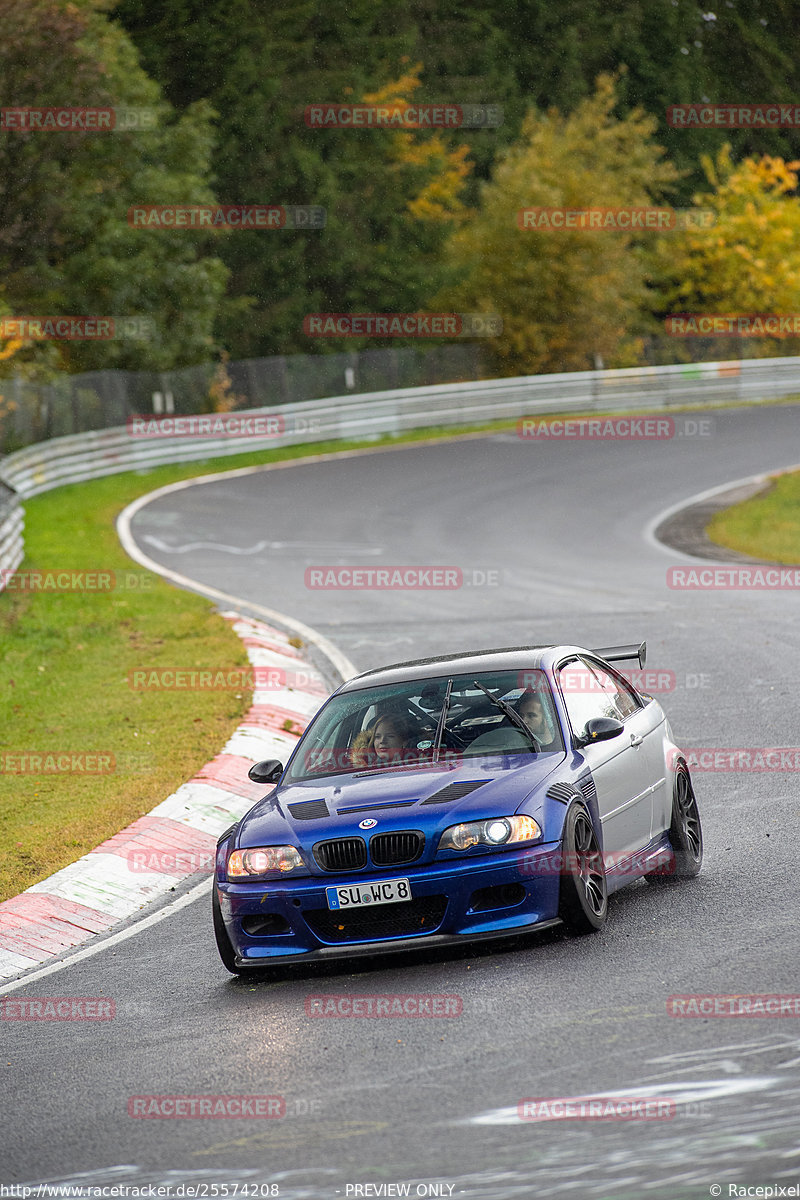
(590, 690)
(618, 690)
(583, 696)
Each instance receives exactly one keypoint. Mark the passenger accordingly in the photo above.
(530, 707)
(383, 742)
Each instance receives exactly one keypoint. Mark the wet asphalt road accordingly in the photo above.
(549, 538)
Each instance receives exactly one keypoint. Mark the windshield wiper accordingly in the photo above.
(442, 719)
(510, 712)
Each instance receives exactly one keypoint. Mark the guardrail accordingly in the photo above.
(85, 456)
(12, 521)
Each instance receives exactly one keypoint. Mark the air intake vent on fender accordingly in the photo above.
(562, 792)
(588, 789)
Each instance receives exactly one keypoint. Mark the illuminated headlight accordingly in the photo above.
(264, 860)
(499, 831)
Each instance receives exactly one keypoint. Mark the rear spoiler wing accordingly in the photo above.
(623, 653)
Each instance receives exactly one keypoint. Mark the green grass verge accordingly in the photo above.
(766, 527)
(65, 659)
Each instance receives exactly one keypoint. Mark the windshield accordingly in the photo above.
(398, 725)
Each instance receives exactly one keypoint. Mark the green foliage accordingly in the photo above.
(748, 261)
(65, 243)
(566, 295)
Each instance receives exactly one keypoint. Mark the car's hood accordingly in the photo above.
(427, 798)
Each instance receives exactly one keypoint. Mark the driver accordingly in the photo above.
(530, 707)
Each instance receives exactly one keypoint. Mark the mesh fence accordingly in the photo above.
(35, 411)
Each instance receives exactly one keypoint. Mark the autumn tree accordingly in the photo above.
(565, 296)
(748, 258)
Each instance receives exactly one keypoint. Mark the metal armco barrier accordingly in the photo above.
(12, 549)
(46, 465)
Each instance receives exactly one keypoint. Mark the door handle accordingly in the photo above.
(636, 740)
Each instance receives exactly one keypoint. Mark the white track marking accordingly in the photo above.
(97, 946)
(340, 662)
(649, 532)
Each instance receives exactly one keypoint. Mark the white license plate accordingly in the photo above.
(359, 895)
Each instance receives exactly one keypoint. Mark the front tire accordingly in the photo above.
(583, 897)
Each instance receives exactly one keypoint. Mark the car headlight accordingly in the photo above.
(497, 831)
(264, 860)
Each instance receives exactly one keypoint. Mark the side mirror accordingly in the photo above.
(599, 729)
(269, 771)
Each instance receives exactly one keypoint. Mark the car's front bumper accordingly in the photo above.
(528, 899)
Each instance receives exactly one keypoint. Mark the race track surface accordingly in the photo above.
(550, 541)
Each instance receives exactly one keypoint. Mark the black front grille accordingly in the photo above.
(341, 854)
(423, 915)
(309, 810)
(454, 791)
(391, 849)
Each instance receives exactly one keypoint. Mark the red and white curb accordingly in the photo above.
(178, 837)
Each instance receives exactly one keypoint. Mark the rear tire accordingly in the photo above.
(583, 897)
(221, 934)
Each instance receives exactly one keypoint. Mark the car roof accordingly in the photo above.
(506, 658)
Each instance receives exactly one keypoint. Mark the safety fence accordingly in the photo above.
(146, 443)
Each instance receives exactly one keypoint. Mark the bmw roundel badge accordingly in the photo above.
(367, 823)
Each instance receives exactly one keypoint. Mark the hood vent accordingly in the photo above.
(309, 810)
(454, 791)
(374, 807)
